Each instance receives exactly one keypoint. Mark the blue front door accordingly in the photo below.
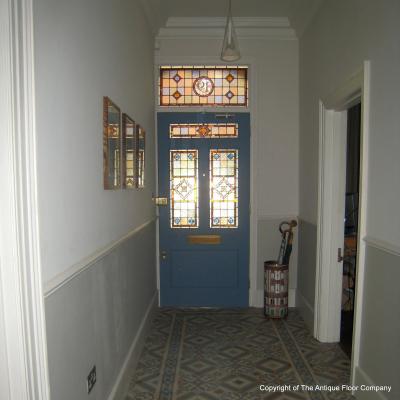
(203, 170)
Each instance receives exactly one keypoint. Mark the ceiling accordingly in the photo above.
(298, 12)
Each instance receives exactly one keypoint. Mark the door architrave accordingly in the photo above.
(328, 287)
(250, 62)
(22, 311)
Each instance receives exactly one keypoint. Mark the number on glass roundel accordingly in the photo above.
(203, 86)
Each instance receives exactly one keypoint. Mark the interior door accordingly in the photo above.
(203, 171)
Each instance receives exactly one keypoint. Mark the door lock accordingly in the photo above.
(160, 201)
(163, 255)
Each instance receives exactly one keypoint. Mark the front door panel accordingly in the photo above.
(203, 170)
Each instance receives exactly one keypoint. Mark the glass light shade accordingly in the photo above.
(230, 47)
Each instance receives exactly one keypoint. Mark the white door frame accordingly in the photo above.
(332, 180)
(23, 365)
(332, 177)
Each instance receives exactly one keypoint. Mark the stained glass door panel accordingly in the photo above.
(183, 189)
(203, 170)
(224, 188)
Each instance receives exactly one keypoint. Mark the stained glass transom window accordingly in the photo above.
(184, 189)
(223, 188)
(203, 130)
(203, 85)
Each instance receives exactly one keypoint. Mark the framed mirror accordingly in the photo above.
(129, 153)
(111, 144)
(141, 155)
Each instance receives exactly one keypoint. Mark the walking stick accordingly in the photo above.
(282, 248)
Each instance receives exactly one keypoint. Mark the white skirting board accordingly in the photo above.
(259, 298)
(121, 385)
(361, 378)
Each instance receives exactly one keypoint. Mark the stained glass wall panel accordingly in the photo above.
(223, 188)
(203, 85)
(129, 157)
(116, 173)
(141, 168)
(184, 189)
(203, 130)
(111, 144)
(130, 169)
(141, 144)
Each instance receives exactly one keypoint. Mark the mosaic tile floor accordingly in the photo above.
(227, 354)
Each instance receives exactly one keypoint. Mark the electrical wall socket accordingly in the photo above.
(91, 379)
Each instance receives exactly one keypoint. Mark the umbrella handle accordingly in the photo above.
(292, 224)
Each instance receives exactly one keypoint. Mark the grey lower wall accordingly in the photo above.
(307, 270)
(380, 339)
(268, 244)
(94, 318)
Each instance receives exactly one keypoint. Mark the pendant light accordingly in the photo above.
(230, 47)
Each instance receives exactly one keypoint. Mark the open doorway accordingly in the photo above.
(334, 110)
(350, 226)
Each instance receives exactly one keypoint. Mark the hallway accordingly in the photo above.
(143, 169)
(227, 354)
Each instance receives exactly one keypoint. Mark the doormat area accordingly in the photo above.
(235, 354)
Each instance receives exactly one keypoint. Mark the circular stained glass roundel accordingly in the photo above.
(203, 86)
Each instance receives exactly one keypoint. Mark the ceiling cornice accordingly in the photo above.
(302, 17)
(153, 16)
(218, 22)
(213, 27)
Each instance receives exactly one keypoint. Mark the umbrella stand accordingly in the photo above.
(276, 275)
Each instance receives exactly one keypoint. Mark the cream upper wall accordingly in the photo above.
(274, 80)
(334, 46)
(85, 50)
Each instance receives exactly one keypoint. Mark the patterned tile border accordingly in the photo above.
(300, 365)
(171, 362)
